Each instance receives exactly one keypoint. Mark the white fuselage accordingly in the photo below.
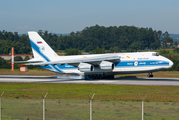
(137, 62)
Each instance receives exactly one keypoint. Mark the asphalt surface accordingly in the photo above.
(78, 80)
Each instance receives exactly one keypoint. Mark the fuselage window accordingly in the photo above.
(155, 54)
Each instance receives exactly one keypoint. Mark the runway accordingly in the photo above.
(77, 80)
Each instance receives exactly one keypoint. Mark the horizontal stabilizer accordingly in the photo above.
(28, 61)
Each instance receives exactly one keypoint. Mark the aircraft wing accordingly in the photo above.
(81, 60)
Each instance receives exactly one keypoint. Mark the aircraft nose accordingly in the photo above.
(170, 63)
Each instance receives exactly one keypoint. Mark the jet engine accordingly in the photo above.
(105, 65)
(85, 67)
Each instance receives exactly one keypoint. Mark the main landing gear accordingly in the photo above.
(150, 75)
(98, 76)
(91, 77)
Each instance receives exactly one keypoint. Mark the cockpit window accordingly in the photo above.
(155, 54)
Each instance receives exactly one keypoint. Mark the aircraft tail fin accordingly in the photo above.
(41, 50)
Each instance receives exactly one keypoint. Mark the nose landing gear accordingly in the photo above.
(150, 75)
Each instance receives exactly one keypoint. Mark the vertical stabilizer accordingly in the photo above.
(41, 50)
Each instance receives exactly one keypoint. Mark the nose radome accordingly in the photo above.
(170, 63)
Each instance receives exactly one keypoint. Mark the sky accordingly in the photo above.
(65, 16)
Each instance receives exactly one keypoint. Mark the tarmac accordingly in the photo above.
(79, 80)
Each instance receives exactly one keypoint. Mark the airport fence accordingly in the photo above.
(67, 109)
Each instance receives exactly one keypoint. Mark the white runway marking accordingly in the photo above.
(116, 81)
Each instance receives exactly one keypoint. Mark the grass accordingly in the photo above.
(79, 109)
(81, 92)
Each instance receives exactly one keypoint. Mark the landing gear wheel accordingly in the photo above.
(88, 77)
(93, 76)
(100, 76)
(150, 75)
(110, 77)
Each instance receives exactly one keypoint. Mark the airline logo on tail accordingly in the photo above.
(42, 48)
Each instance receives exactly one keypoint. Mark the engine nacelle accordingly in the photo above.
(85, 67)
(105, 65)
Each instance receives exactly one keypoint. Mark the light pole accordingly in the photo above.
(12, 60)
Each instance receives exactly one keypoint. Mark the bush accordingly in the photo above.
(4, 64)
(72, 51)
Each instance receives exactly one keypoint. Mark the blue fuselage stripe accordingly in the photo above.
(122, 64)
(142, 63)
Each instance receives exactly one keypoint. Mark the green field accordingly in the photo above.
(81, 92)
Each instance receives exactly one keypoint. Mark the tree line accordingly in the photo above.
(173, 56)
(113, 38)
(127, 38)
(95, 39)
(9, 39)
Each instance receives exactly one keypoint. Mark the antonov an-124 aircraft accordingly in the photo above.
(95, 66)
